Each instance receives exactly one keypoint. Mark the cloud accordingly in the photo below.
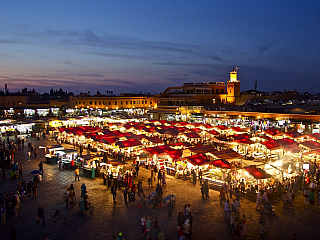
(216, 58)
(265, 48)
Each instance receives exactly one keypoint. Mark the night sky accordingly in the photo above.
(147, 46)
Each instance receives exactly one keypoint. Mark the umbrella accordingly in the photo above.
(35, 172)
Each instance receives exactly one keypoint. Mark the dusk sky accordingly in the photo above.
(147, 46)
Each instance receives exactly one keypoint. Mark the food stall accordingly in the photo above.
(51, 153)
(184, 165)
(217, 170)
(69, 158)
(112, 167)
(91, 165)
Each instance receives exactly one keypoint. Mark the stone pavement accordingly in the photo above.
(109, 218)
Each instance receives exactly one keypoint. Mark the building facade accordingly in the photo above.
(202, 93)
(124, 101)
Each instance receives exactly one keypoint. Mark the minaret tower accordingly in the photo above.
(233, 86)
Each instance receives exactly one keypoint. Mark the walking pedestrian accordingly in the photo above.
(155, 228)
(120, 237)
(148, 226)
(243, 227)
(35, 152)
(83, 189)
(311, 199)
(125, 195)
(227, 209)
(258, 206)
(3, 214)
(222, 196)
(34, 189)
(40, 165)
(20, 171)
(169, 209)
(140, 189)
(143, 224)
(41, 214)
(242, 187)
(262, 223)
(186, 229)
(200, 176)
(77, 173)
(181, 219)
(114, 192)
(190, 217)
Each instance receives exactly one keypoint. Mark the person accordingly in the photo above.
(222, 196)
(148, 225)
(190, 217)
(77, 173)
(20, 171)
(34, 189)
(200, 177)
(226, 209)
(234, 206)
(35, 152)
(265, 200)
(181, 218)
(159, 191)
(258, 206)
(237, 193)
(262, 223)
(186, 210)
(311, 198)
(160, 234)
(306, 197)
(225, 188)
(137, 169)
(155, 228)
(40, 165)
(169, 209)
(125, 195)
(114, 192)
(186, 229)
(194, 177)
(41, 214)
(284, 201)
(243, 227)
(164, 179)
(67, 197)
(143, 224)
(13, 233)
(133, 189)
(120, 237)
(81, 203)
(83, 189)
(242, 187)
(3, 214)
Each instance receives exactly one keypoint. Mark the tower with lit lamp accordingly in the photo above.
(233, 87)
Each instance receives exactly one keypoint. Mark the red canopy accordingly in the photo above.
(192, 135)
(311, 145)
(221, 163)
(186, 144)
(199, 159)
(174, 154)
(158, 149)
(128, 143)
(154, 139)
(256, 172)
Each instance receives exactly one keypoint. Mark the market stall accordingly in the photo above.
(51, 153)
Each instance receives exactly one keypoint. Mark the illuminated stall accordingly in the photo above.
(51, 154)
